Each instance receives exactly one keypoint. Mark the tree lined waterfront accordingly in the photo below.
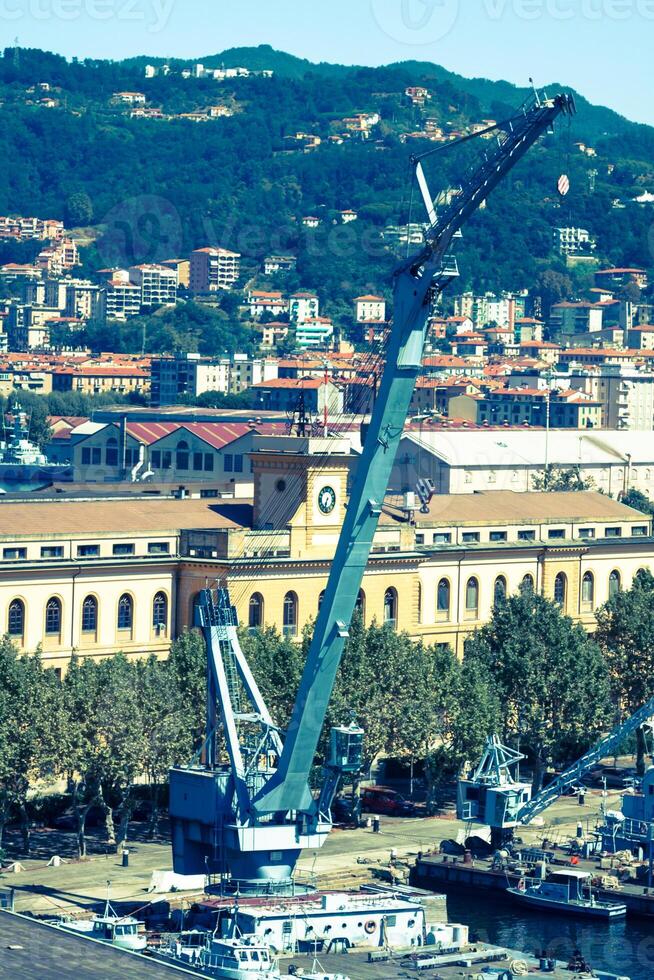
(114, 726)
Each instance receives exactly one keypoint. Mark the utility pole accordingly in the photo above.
(325, 410)
(548, 378)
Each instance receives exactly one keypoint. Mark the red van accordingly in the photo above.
(380, 799)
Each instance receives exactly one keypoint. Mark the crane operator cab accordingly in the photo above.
(492, 794)
(346, 748)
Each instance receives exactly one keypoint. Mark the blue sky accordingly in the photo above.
(602, 48)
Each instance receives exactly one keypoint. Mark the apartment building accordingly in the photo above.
(616, 278)
(158, 284)
(176, 378)
(574, 241)
(286, 394)
(370, 307)
(271, 302)
(626, 396)
(529, 406)
(59, 257)
(212, 269)
(279, 263)
(24, 228)
(120, 299)
(568, 319)
(102, 378)
(28, 327)
(315, 331)
(182, 267)
(303, 306)
(501, 310)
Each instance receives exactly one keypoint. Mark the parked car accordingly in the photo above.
(379, 799)
(615, 776)
(344, 810)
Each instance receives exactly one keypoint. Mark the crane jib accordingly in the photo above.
(417, 281)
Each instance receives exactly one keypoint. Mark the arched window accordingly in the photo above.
(360, 604)
(320, 599)
(560, 589)
(125, 611)
(16, 618)
(587, 591)
(111, 452)
(181, 455)
(53, 617)
(419, 620)
(443, 599)
(290, 614)
(528, 581)
(614, 582)
(472, 598)
(390, 608)
(89, 614)
(160, 612)
(499, 589)
(255, 611)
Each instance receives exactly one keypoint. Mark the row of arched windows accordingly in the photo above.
(587, 589)
(290, 614)
(443, 599)
(89, 621)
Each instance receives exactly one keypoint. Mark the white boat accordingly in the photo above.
(123, 931)
(568, 891)
(242, 958)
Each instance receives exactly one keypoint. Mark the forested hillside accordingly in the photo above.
(239, 182)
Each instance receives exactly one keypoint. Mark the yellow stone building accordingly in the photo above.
(112, 574)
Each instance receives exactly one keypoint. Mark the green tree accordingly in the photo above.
(79, 210)
(187, 663)
(276, 663)
(550, 679)
(399, 691)
(625, 634)
(166, 724)
(560, 478)
(32, 734)
(638, 500)
(106, 741)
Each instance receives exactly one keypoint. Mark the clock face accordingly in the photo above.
(327, 500)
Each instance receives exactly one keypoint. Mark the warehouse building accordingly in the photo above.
(97, 576)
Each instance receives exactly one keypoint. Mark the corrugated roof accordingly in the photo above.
(521, 447)
(510, 507)
(90, 517)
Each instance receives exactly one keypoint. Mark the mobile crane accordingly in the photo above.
(251, 817)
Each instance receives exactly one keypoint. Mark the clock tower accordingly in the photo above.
(300, 486)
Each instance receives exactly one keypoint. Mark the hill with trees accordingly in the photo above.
(170, 184)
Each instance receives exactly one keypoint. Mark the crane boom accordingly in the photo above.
(605, 747)
(418, 281)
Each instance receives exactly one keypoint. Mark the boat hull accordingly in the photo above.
(587, 910)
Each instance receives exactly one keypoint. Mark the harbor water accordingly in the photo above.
(625, 946)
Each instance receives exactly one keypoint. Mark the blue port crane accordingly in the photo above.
(493, 795)
(249, 815)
